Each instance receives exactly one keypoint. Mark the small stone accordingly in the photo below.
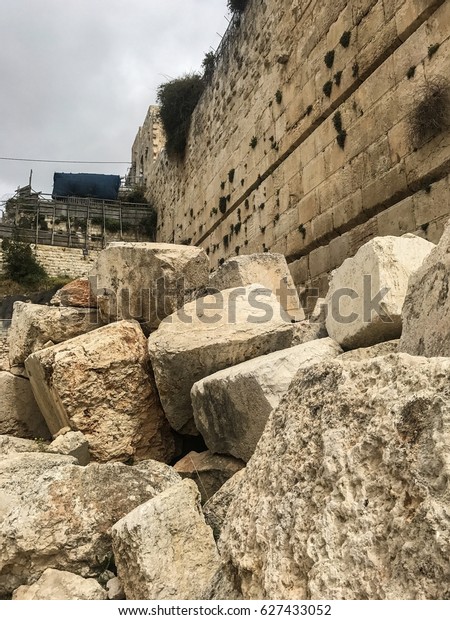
(72, 444)
(209, 471)
(57, 585)
(115, 590)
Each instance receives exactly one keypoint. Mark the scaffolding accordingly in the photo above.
(74, 222)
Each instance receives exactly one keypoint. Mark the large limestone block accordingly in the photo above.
(208, 471)
(426, 311)
(232, 406)
(77, 294)
(34, 325)
(164, 549)
(367, 291)
(19, 413)
(58, 585)
(347, 495)
(216, 508)
(101, 384)
(147, 281)
(209, 334)
(305, 331)
(270, 270)
(56, 514)
(377, 350)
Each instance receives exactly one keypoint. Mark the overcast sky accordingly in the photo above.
(77, 77)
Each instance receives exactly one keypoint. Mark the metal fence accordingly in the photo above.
(77, 222)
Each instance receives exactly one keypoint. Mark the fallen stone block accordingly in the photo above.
(76, 294)
(305, 331)
(147, 281)
(72, 444)
(377, 350)
(346, 496)
(215, 509)
(426, 311)
(269, 270)
(19, 413)
(367, 291)
(232, 406)
(209, 334)
(56, 514)
(33, 325)
(208, 471)
(319, 312)
(57, 585)
(101, 385)
(164, 549)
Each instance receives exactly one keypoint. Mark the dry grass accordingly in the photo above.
(9, 287)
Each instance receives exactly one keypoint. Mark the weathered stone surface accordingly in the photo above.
(33, 325)
(209, 471)
(231, 407)
(269, 270)
(305, 331)
(207, 335)
(426, 311)
(347, 494)
(10, 445)
(56, 514)
(101, 384)
(73, 444)
(215, 510)
(19, 412)
(76, 294)
(379, 270)
(164, 549)
(319, 313)
(4, 350)
(377, 350)
(57, 585)
(147, 281)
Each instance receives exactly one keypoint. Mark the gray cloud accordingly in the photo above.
(78, 75)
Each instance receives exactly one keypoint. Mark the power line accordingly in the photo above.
(62, 161)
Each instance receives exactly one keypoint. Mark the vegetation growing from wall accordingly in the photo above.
(431, 114)
(147, 225)
(237, 6)
(177, 100)
(137, 195)
(20, 264)
(208, 65)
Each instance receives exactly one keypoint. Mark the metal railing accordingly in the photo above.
(76, 222)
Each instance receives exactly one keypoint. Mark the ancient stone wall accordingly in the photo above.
(59, 261)
(147, 145)
(301, 143)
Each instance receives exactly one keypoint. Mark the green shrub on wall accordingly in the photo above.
(20, 264)
(177, 100)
